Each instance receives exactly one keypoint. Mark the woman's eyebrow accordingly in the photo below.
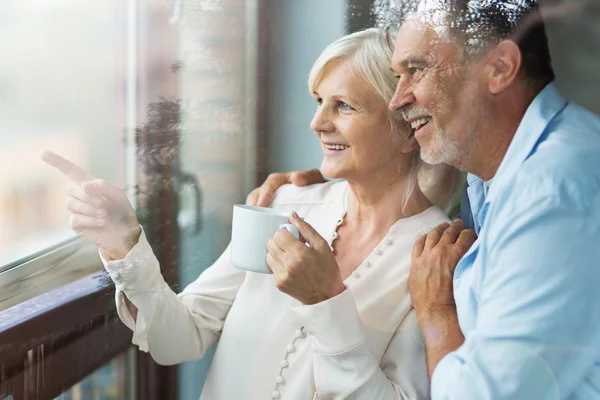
(343, 97)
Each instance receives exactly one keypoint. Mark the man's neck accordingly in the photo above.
(497, 134)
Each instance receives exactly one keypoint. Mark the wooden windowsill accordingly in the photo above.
(74, 326)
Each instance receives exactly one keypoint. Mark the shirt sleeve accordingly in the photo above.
(534, 336)
(173, 328)
(344, 365)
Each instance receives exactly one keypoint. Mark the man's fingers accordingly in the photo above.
(252, 198)
(265, 196)
(99, 187)
(433, 237)
(418, 247)
(269, 187)
(72, 171)
(451, 233)
(466, 239)
(307, 177)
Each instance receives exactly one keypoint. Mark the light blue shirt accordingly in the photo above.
(528, 291)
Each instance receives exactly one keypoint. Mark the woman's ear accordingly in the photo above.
(411, 144)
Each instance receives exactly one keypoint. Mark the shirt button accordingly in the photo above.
(299, 334)
(368, 264)
(379, 252)
(275, 394)
(284, 363)
(390, 242)
(356, 275)
(290, 348)
(279, 379)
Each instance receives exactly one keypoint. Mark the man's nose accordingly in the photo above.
(402, 96)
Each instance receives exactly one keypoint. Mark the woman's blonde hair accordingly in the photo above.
(369, 54)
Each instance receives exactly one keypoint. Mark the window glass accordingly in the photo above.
(62, 87)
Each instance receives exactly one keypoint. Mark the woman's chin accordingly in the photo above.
(332, 172)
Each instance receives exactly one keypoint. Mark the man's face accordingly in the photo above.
(437, 93)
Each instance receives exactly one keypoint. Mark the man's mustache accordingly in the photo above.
(410, 111)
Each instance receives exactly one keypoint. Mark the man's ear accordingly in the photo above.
(503, 66)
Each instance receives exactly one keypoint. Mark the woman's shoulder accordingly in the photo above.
(431, 218)
(327, 192)
(419, 224)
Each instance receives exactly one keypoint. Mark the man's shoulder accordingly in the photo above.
(567, 157)
(575, 130)
(567, 181)
(314, 194)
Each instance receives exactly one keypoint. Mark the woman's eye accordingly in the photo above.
(319, 101)
(346, 107)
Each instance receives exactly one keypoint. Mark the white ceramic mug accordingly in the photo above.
(251, 229)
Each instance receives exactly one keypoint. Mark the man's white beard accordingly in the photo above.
(442, 149)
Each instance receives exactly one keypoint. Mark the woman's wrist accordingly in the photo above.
(129, 243)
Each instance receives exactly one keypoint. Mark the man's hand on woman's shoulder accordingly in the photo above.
(263, 195)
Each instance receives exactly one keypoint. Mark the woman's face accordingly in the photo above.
(353, 126)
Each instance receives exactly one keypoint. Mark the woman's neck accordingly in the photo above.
(375, 205)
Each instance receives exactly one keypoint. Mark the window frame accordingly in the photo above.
(47, 270)
(39, 343)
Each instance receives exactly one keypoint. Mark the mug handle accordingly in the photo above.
(291, 229)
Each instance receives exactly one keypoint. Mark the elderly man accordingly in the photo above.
(518, 315)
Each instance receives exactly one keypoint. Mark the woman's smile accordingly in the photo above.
(334, 149)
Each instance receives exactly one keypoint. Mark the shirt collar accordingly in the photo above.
(546, 105)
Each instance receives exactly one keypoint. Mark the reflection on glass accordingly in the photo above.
(61, 87)
(107, 383)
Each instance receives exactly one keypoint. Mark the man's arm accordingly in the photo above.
(536, 335)
(442, 335)
(434, 259)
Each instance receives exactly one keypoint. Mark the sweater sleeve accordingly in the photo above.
(173, 328)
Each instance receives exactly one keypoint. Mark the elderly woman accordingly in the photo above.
(334, 320)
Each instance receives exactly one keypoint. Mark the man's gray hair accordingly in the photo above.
(477, 25)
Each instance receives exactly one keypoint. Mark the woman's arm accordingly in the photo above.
(344, 365)
(173, 328)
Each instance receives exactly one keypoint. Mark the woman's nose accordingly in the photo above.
(321, 122)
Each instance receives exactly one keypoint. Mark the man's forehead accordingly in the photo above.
(416, 38)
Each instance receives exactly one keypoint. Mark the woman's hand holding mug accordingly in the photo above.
(310, 274)
(100, 212)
